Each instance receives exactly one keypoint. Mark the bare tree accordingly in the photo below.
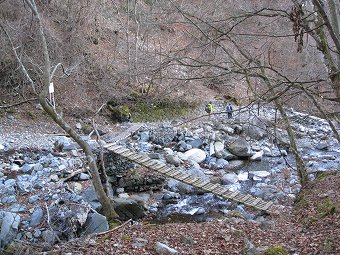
(320, 19)
(47, 76)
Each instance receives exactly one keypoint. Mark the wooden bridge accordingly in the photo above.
(179, 174)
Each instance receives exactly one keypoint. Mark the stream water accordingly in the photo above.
(273, 179)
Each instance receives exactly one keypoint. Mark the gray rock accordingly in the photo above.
(144, 136)
(255, 132)
(221, 163)
(196, 170)
(26, 168)
(50, 236)
(240, 147)
(9, 223)
(15, 167)
(33, 198)
(78, 126)
(9, 199)
(17, 208)
(28, 235)
(171, 195)
(322, 146)
(120, 190)
(10, 183)
(128, 209)
(183, 146)
(154, 155)
(196, 143)
(229, 178)
(162, 248)
(227, 155)
(139, 242)
(24, 186)
(89, 195)
(235, 164)
(84, 177)
(172, 159)
(37, 217)
(95, 223)
(54, 178)
(37, 233)
(37, 167)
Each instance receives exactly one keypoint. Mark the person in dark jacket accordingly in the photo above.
(229, 109)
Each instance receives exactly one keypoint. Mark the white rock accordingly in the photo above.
(196, 155)
(257, 156)
(182, 156)
(219, 148)
(161, 248)
(260, 173)
(211, 149)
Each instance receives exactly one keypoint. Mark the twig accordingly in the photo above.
(19, 103)
(111, 230)
(100, 108)
(73, 174)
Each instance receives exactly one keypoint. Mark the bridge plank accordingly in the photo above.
(173, 172)
(164, 170)
(255, 202)
(188, 178)
(245, 198)
(158, 166)
(191, 180)
(143, 159)
(127, 153)
(150, 163)
(220, 190)
(134, 157)
(112, 146)
(266, 207)
(201, 183)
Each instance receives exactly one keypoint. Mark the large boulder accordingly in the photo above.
(67, 216)
(128, 209)
(240, 147)
(9, 223)
(229, 178)
(172, 159)
(95, 223)
(257, 129)
(120, 113)
(196, 155)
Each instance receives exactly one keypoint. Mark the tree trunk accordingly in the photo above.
(47, 77)
(300, 165)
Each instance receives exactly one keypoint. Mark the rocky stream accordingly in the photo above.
(42, 202)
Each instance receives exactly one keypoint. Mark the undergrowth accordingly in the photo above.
(161, 109)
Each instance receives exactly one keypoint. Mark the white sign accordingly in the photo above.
(51, 88)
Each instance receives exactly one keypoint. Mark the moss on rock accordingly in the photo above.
(275, 250)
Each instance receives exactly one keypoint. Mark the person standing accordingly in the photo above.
(209, 108)
(229, 109)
